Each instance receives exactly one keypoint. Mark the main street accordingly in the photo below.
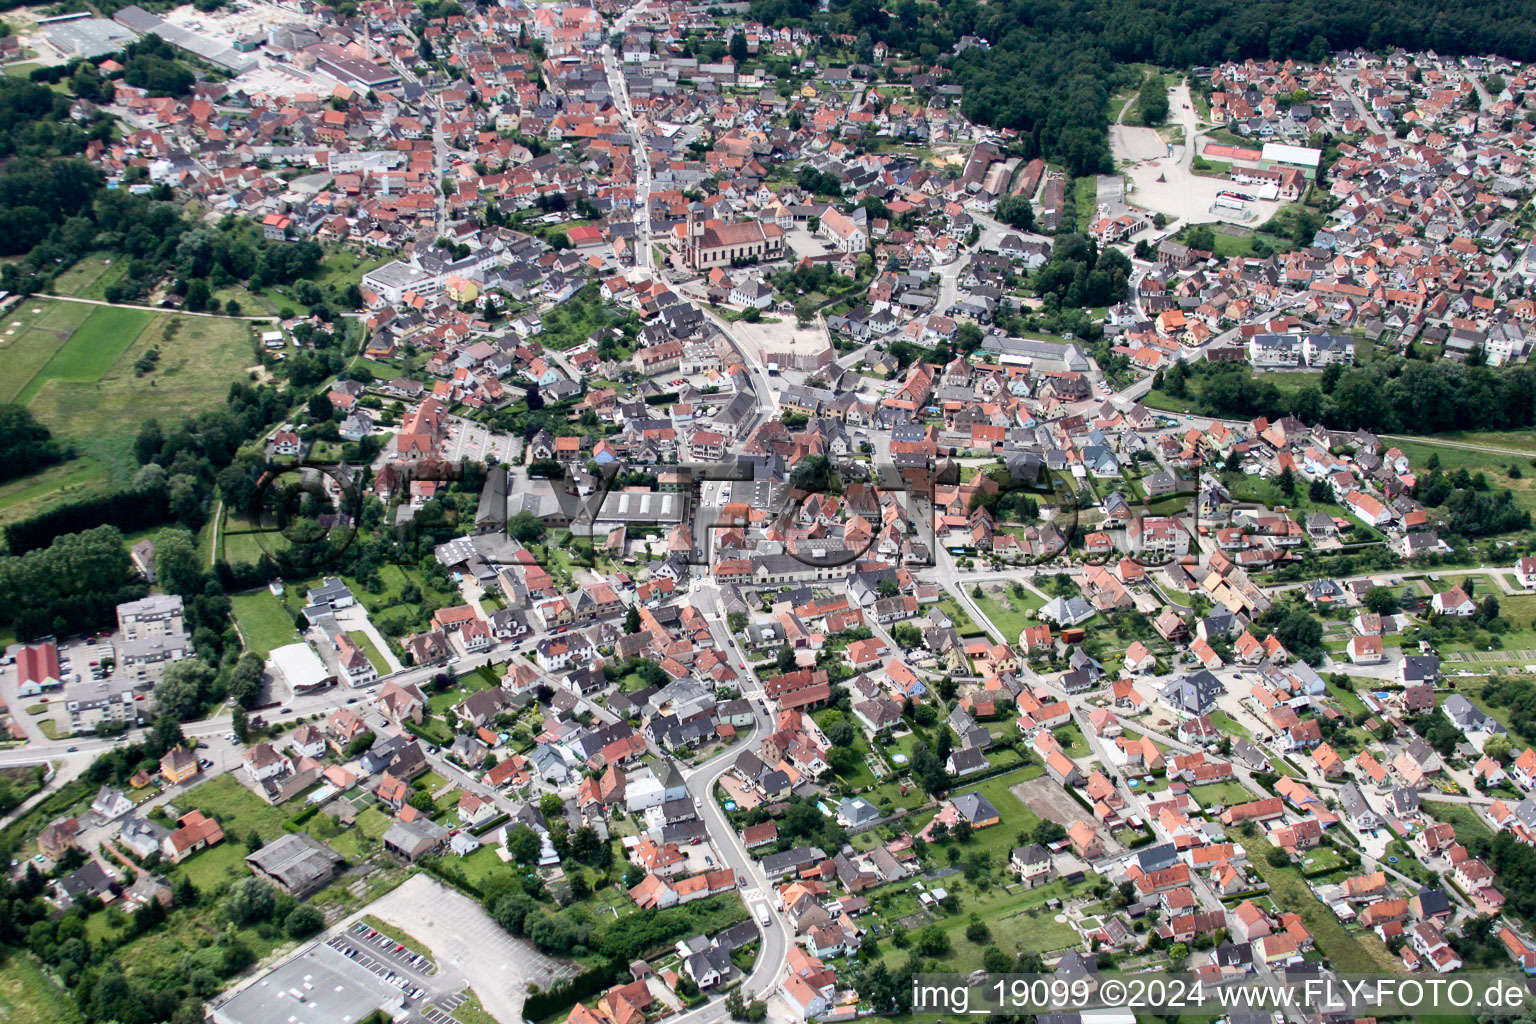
(619, 89)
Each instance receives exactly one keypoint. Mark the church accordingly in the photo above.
(714, 243)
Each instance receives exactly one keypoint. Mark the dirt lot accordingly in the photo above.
(1128, 143)
(1049, 801)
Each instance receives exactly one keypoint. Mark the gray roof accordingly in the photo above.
(1034, 853)
(298, 862)
(974, 807)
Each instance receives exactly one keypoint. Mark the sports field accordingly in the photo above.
(73, 365)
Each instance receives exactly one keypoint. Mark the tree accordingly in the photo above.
(245, 680)
(303, 921)
(1319, 491)
(184, 690)
(1286, 481)
(1498, 747)
(1487, 611)
(1381, 600)
(360, 743)
(961, 831)
(786, 659)
(240, 724)
(198, 295)
(739, 48)
(25, 444)
(1016, 212)
(176, 562)
(1152, 101)
(250, 901)
(632, 620)
(1200, 236)
(805, 311)
(933, 941)
(523, 844)
(1048, 832)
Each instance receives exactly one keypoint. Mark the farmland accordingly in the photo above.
(81, 370)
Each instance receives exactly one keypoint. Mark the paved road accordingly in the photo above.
(1351, 83)
(1443, 443)
(701, 785)
(153, 309)
(619, 89)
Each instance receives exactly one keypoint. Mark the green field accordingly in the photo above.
(1016, 921)
(73, 365)
(68, 481)
(1227, 726)
(217, 866)
(1228, 794)
(28, 996)
(471, 1012)
(30, 335)
(1493, 463)
(1468, 823)
(264, 622)
(199, 358)
(1010, 614)
(90, 277)
(237, 808)
(90, 351)
(1000, 839)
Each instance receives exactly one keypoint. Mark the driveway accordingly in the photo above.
(462, 935)
(356, 618)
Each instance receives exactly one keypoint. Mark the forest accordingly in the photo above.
(1053, 64)
(1388, 396)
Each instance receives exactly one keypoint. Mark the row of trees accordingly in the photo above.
(1152, 100)
(1403, 395)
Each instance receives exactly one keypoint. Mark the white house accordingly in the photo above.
(642, 790)
(264, 762)
(307, 741)
(1453, 602)
(1525, 572)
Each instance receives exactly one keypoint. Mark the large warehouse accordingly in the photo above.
(87, 37)
(320, 986)
(300, 667)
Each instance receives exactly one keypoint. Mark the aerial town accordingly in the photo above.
(681, 522)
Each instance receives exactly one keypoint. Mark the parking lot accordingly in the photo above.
(383, 948)
(82, 662)
(465, 940)
(474, 441)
